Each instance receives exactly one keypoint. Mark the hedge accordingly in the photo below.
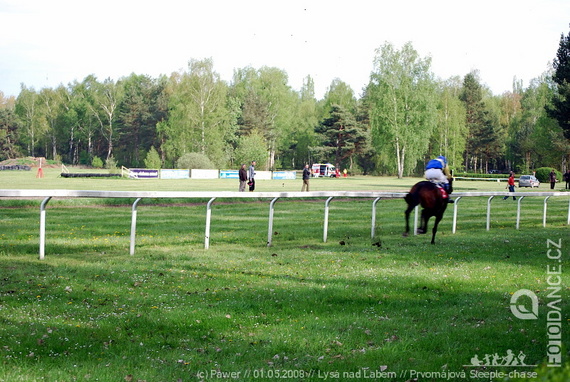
(543, 174)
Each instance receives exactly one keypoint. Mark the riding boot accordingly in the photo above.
(446, 187)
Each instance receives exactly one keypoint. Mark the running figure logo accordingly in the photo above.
(510, 359)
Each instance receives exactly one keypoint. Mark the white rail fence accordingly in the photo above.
(273, 196)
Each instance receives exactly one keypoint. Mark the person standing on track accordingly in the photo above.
(251, 176)
(511, 185)
(306, 178)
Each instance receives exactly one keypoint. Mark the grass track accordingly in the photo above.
(90, 311)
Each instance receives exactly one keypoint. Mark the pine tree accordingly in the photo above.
(480, 129)
(341, 136)
(560, 109)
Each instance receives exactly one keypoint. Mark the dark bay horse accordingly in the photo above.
(429, 196)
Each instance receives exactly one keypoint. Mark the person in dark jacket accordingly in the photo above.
(242, 178)
(552, 177)
(306, 178)
(251, 176)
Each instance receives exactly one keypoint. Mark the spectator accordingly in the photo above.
(552, 177)
(251, 176)
(306, 178)
(242, 178)
(511, 185)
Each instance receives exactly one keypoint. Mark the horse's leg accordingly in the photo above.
(438, 218)
(412, 203)
(424, 221)
(407, 213)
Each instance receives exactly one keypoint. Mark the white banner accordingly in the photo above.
(197, 173)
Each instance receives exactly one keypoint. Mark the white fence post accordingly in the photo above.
(544, 211)
(454, 224)
(326, 223)
(43, 227)
(133, 225)
(270, 225)
(416, 213)
(519, 211)
(208, 218)
(489, 212)
(373, 232)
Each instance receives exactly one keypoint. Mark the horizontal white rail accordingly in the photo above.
(274, 196)
(18, 193)
(195, 194)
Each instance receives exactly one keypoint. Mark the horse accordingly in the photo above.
(433, 202)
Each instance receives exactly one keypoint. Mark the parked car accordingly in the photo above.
(528, 181)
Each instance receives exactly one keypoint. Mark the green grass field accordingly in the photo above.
(353, 308)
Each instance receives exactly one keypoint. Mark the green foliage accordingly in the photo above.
(268, 107)
(403, 106)
(340, 136)
(194, 160)
(543, 174)
(33, 124)
(84, 158)
(481, 176)
(405, 114)
(338, 94)
(152, 159)
(140, 109)
(97, 162)
(450, 135)
(485, 138)
(9, 134)
(199, 119)
(111, 164)
(251, 148)
(560, 109)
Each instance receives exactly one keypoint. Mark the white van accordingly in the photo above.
(326, 169)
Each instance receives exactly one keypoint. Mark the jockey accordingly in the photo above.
(438, 172)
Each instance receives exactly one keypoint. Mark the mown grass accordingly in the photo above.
(53, 180)
(89, 311)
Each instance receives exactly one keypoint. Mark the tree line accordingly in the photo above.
(403, 117)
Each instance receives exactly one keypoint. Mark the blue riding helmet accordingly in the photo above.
(444, 159)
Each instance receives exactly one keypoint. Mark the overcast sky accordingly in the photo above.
(44, 43)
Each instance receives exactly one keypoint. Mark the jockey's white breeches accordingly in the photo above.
(436, 175)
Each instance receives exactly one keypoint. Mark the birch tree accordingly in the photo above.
(198, 113)
(403, 111)
(33, 125)
(51, 101)
(299, 136)
(104, 100)
(451, 132)
(267, 106)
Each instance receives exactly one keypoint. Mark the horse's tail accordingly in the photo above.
(412, 198)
